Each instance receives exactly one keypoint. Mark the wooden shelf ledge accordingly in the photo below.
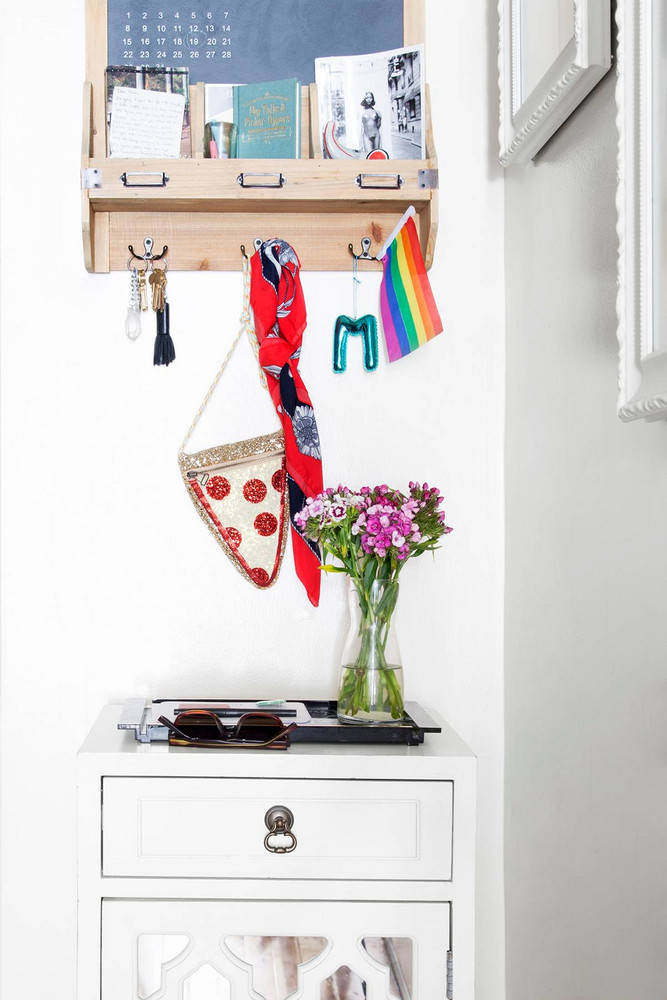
(203, 214)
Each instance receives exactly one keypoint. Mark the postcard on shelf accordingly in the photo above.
(219, 127)
(218, 102)
(148, 111)
(371, 106)
(267, 118)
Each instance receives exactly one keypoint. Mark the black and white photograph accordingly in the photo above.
(370, 106)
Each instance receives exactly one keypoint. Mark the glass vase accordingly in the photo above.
(371, 681)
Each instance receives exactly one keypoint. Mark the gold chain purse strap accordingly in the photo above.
(240, 489)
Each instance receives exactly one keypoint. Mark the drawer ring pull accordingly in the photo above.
(279, 820)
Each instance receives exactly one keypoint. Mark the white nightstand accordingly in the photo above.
(183, 897)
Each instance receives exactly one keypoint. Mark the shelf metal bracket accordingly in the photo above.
(427, 180)
(91, 177)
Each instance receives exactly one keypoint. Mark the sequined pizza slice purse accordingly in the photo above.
(240, 489)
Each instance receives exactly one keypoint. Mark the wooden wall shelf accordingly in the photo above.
(203, 214)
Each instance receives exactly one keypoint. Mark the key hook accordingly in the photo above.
(365, 247)
(148, 254)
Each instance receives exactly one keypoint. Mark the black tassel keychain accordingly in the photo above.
(164, 352)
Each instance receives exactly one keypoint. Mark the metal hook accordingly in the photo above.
(148, 254)
(365, 247)
(243, 251)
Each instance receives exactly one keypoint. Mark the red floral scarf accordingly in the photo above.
(277, 302)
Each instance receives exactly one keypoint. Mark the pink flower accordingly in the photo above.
(397, 540)
(316, 508)
(338, 512)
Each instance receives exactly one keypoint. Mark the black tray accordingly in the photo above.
(324, 726)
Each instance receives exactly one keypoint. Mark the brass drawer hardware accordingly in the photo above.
(279, 820)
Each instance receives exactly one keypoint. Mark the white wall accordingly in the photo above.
(586, 557)
(111, 585)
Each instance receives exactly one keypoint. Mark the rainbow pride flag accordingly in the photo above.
(410, 316)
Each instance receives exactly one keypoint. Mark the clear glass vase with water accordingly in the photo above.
(371, 682)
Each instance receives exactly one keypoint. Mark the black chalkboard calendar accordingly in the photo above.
(246, 41)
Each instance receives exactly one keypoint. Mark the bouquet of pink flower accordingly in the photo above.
(372, 533)
(380, 527)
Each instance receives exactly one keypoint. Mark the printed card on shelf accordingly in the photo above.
(145, 123)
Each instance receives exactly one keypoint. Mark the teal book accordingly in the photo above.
(268, 120)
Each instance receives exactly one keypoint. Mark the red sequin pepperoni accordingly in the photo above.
(234, 537)
(254, 491)
(259, 576)
(278, 480)
(266, 524)
(218, 487)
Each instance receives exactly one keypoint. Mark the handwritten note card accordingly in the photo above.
(145, 123)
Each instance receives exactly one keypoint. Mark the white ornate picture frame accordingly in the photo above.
(528, 120)
(641, 202)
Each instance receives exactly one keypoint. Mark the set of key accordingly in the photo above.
(163, 351)
(158, 282)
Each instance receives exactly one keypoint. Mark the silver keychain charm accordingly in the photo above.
(133, 315)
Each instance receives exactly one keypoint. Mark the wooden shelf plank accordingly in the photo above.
(210, 241)
(200, 185)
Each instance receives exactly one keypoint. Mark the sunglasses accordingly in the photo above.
(198, 727)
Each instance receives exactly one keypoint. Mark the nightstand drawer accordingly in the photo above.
(215, 827)
(274, 949)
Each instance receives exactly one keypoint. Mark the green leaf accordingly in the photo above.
(369, 574)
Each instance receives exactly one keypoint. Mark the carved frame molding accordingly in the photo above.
(527, 122)
(642, 372)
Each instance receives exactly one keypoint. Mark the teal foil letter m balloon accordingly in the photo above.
(365, 327)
